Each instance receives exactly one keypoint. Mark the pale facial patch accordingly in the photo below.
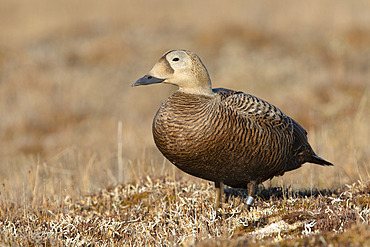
(162, 69)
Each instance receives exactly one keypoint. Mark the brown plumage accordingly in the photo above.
(223, 135)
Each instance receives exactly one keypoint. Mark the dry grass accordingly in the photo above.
(167, 212)
(65, 75)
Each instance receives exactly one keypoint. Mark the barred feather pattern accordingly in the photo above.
(231, 137)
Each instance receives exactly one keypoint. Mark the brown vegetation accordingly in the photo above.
(167, 212)
(65, 74)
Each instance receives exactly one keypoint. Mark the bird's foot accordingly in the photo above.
(248, 203)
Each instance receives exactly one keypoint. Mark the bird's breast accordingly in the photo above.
(195, 137)
(183, 128)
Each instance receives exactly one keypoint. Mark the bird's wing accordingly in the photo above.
(257, 112)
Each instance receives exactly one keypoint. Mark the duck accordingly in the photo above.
(225, 136)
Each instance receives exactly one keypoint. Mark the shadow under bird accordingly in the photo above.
(221, 135)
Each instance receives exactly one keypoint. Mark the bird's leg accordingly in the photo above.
(252, 186)
(219, 191)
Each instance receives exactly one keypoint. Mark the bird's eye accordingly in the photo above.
(176, 59)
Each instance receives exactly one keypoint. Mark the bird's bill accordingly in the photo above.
(146, 80)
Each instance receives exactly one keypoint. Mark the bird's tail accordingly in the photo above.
(318, 160)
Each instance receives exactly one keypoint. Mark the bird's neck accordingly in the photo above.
(207, 91)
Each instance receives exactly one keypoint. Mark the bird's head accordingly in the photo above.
(181, 68)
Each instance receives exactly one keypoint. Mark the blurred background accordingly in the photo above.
(66, 68)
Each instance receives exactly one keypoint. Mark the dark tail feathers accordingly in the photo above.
(320, 161)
